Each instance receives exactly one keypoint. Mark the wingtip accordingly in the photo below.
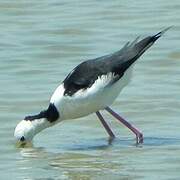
(162, 32)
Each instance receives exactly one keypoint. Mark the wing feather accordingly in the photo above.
(86, 73)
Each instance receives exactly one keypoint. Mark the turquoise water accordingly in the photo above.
(41, 41)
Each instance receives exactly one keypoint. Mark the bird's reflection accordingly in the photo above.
(28, 149)
(84, 159)
(24, 144)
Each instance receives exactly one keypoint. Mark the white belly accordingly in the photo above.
(100, 95)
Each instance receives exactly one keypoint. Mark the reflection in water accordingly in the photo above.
(90, 160)
(41, 41)
(20, 144)
(75, 163)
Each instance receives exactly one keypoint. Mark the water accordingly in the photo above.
(41, 41)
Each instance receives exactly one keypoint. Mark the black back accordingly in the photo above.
(86, 73)
(51, 114)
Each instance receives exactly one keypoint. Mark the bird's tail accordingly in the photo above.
(147, 42)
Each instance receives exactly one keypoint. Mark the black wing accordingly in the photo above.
(86, 73)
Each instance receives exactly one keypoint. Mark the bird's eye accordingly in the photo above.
(22, 138)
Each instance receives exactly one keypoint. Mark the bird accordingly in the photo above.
(90, 87)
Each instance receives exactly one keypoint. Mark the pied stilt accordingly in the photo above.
(90, 87)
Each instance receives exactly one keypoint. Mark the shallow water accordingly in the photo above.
(41, 41)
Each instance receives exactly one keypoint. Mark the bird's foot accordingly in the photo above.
(111, 139)
(139, 138)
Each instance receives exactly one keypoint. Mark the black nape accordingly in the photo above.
(51, 114)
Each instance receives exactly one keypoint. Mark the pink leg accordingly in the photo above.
(139, 135)
(106, 126)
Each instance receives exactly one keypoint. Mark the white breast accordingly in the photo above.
(100, 95)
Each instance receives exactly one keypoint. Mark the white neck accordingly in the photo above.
(40, 124)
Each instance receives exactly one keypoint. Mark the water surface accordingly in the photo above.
(41, 41)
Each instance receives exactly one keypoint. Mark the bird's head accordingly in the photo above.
(32, 125)
(25, 131)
